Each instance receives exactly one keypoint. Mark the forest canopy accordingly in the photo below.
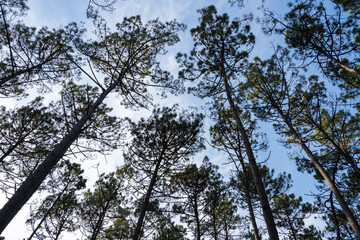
(156, 128)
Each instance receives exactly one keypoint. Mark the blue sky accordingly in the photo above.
(57, 13)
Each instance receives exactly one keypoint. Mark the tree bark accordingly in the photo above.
(100, 220)
(336, 222)
(32, 183)
(344, 206)
(293, 232)
(214, 222)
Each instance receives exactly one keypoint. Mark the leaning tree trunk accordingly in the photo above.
(246, 183)
(48, 212)
(269, 219)
(144, 207)
(248, 200)
(344, 206)
(338, 148)
(197, 221)
(32, 183)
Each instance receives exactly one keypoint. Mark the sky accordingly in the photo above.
(57, 13)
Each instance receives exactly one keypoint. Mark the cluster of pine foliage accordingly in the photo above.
(158, 193)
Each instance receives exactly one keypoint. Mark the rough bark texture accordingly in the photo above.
(269, 219)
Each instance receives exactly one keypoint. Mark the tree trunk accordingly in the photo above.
(341, 151)
(293, 232)
(144, 207)
(269, 219)
(248, 197)
(226, 229)
(346, 210)
(48, 212)
(336, 222)
(197, 220)
(344, 206)
(101, 218)
(60, 229)
(249, 203)
(245, 181)
(32, 183)
(214, 222)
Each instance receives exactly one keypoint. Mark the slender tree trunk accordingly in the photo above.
(251, 210)
(293, 232)
(144, 207)
(344, 206)
(342, 152)
(226, 229)
(214, 222)
(246, 183)
(332, 205)
(100, 220)
(197, 220)
(7, 34)
(48, 212)
(32, 183)
(269, 219)
(247, 195)
(336, 222)
(60, 229)
(268, 216)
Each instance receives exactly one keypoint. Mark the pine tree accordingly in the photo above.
(282, 97)
(161, 146)
(127, 59)
(216, 60)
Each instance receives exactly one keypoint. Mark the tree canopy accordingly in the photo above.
(99, 138)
